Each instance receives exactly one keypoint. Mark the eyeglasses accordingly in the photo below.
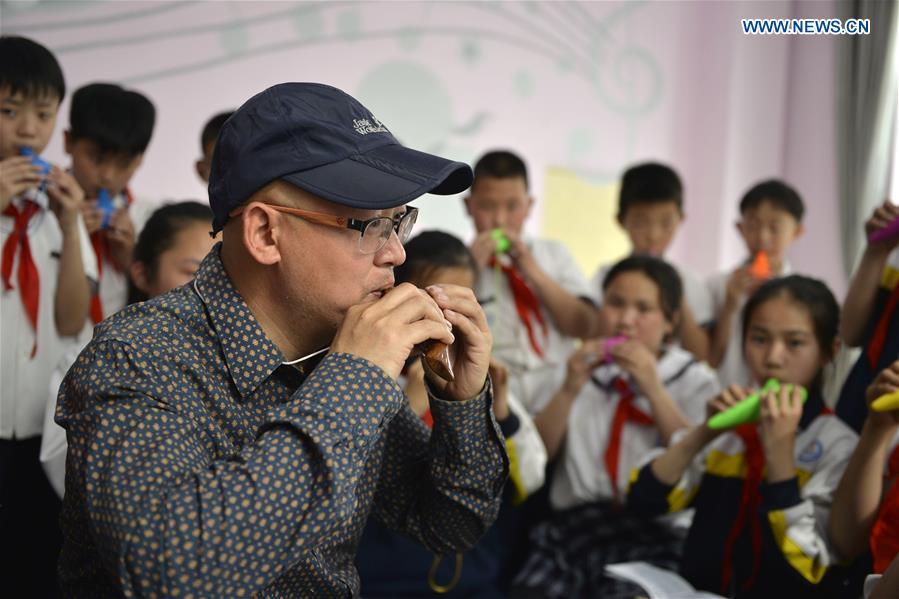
(374, 232)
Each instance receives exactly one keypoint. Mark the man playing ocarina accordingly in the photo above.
(231, 437)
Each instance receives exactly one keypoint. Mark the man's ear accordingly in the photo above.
(68, 142)
(139, 276)
(467, 200)
(261, 227)
(800, 230)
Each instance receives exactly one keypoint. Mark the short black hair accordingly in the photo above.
(212, 127)
(666, 278)
(29, 68)
(119, 121)
(500, 164)
(649, 183)
(778, 193)
(433, 249)
(158, 236)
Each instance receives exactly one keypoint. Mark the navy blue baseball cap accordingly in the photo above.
(324, 141)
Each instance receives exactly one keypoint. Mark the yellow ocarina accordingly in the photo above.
(886, 403)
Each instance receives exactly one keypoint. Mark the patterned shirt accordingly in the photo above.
(200, 465)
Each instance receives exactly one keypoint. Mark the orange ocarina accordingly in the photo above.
(760, 267)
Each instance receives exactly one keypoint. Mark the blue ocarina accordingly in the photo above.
(104, 203)
(36, 160)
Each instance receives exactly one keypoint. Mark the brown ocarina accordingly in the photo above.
(435, 355)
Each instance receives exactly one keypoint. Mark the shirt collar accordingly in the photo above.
(670, 364)
(250, 355)
(33, 194)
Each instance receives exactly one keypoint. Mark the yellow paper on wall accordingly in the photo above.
(581, 214)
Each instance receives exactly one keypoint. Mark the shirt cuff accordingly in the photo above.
(780, 495)
(510, 425)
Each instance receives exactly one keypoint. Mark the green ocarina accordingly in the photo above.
(502, 242)
(747, 410)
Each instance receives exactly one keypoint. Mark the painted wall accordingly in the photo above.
(580, 89)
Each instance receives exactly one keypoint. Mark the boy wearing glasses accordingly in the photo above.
(232, 436)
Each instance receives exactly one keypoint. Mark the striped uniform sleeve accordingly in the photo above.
(650, 496)
(798, 516)
(527, 454)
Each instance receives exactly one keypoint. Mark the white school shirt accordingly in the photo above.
(532, 379)
(581, 476)
(696, 292)
(733, 369)
(23, 391)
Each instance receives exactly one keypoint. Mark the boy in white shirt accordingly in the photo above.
(535, 296)
(45, 295)
(771, 220)
(650, 210)
(109, 130)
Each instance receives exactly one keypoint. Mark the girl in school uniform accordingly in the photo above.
(762, 491)
(613, 407)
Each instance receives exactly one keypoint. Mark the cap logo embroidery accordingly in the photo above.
(365, 126)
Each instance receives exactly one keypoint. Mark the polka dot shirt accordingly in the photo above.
(201, 466)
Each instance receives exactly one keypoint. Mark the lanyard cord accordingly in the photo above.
(291, 362)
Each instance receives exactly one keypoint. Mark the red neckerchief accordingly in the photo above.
(28, 276)
(878, 338)
(526, 302)
(625, 412)
(885, 533)
(750, 500)
(100, 243)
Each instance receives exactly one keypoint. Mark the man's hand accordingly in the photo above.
(474, 343)
(17, 175)
(66, 198)
(385, 331)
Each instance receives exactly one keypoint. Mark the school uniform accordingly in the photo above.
(751, 538)
(610, 430)
(525, 339)
(32, 245)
